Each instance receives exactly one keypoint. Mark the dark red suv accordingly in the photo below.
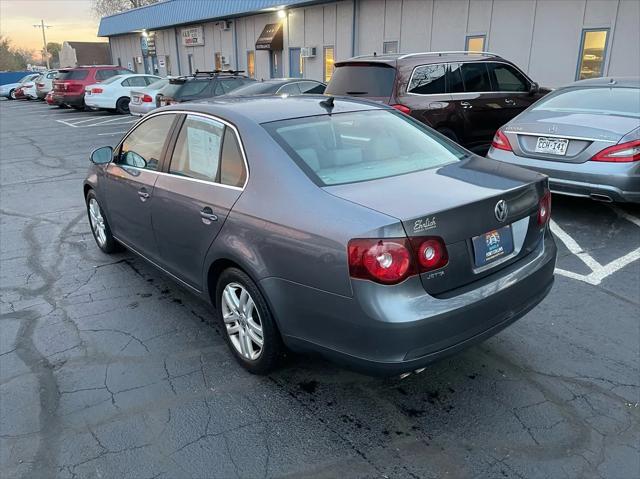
(466, 96)
(68, 87)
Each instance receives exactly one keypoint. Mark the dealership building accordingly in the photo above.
(554, 41)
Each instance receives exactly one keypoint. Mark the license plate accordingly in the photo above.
(552, 146)
(492, 245)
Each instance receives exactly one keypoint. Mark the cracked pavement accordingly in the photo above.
(109, 369)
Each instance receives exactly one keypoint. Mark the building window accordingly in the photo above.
(390, 47)
(593, 50)
(251, 64)
(475, 43)
(329, 61)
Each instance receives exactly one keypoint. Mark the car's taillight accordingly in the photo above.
(431, 253)
(622, 153)
(544, 209)
(402, 109)
(501, 142)
(96, 90)
(392, 260)
(40, 85)
(147, 99)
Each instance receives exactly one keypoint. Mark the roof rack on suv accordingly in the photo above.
(452, 52)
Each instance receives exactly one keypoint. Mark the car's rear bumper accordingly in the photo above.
(598, 180)
(142, 108)
(387, 330)
(68, 99)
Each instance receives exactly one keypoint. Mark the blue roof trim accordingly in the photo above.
(169, 13)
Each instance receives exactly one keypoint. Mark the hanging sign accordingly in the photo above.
(193, 36)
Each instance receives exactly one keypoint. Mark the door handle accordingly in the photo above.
(466, 105)
(510, 101)
(144, 196)
(207, 215)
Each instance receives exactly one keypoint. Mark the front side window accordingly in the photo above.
(289, 89)
(506, 78)
(475, 77)
(135, 81)
(475, 43)
(197, 151)
(251, 63)
(427, 80)
(601, 100)
(143, 147)
(361, 146)
(311, 87)
(592, 54)
(329, 62)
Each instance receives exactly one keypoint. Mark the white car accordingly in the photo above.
(143, 100)
(30, 90)
(44, 83)
(9, 90)
(113, 93)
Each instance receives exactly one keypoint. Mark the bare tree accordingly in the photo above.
(103, 8)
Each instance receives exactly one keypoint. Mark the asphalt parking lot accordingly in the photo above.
(110, 369)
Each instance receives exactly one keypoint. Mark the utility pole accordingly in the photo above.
(45, 54)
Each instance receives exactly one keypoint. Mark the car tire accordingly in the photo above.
(79, 107)
(449, 134)
(100, 226)
(122, 105)
(244, 324)
(12, 95)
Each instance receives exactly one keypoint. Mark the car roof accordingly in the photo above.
(620, 82)
(285, 80)
(264, 109)
(392, 59)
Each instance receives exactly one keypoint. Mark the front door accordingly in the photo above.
(276, 64)
(130, 182)
(205, 177)
(295, 63)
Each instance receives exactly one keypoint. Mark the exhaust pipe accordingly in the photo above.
(602, 198)
(406, 375)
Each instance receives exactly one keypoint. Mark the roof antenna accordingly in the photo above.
(327, 104)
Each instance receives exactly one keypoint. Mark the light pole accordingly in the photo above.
(45, 54)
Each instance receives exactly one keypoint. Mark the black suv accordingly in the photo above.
(466, 96)
(201, 85)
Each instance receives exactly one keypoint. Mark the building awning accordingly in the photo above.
(270, 38)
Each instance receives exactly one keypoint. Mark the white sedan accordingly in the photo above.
(113, 93)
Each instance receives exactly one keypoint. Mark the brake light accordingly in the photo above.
(622, 153)
(392, 260)
(501, 142)
(402, 109)
(544, 209)
(147, 99)
(96, 90)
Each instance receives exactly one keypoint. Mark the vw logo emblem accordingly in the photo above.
(501, 210)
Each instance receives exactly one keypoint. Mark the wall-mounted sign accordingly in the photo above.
(161, 62)
(130, 66)
(144, 45)
(151, 44)
(193, 36)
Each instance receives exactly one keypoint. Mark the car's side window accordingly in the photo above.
(311, 87)
(428, 80)
(289, 89)
(197, 151)
(104, 74)
(218, 89)
(233, 171)
(506, 78)
(454, 79)
(135, 81)
(476, 77)
(143, 147)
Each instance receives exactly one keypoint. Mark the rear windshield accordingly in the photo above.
(156, 85)
(361, 146)
(112, 79)
(605, 101)
(73, 75)
(362, 80)
(256, 88)
(188, 88)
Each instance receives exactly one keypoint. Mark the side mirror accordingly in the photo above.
(534, 88)
(102, 155)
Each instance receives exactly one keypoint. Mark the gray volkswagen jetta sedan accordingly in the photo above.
(336, 226)
(585, 137)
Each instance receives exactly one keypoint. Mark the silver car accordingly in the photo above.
(585, 137)
(144, 100)
(341, 226)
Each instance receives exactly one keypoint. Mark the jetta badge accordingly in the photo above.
(501, 210)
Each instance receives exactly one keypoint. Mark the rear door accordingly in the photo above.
(130, 180)
(206, 176)
(426, 96)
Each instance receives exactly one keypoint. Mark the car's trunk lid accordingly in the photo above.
(574, 136)
(457, 202)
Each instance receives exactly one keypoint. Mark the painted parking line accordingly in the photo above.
(97, 121)
(114, 133)
(598, 271)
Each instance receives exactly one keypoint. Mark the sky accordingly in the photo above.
(69, 20)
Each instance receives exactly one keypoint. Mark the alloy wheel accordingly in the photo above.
(242, 321)
(97, 222)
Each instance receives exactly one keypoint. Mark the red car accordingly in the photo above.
(19, 94)
(68, 87)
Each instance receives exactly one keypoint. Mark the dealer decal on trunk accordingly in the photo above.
(424, 224)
